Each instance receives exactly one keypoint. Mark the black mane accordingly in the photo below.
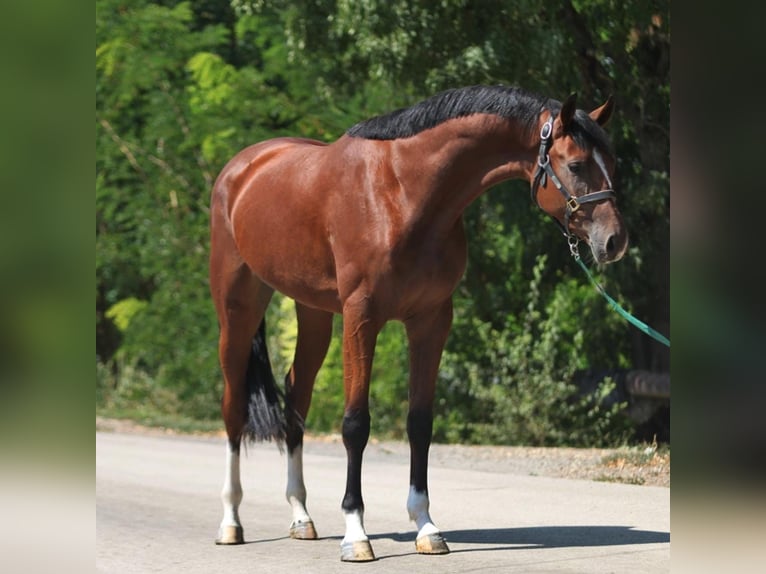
(504, 101)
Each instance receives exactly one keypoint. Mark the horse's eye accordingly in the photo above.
(575, 167)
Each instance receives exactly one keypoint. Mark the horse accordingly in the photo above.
(370, 227)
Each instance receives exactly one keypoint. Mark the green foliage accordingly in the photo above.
(326, 412)
(182, 86)
(526, 388)
(123, 311)
(388, 387)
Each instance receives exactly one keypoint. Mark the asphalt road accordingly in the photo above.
(158, 509)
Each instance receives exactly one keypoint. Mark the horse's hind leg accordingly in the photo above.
(240, 300)
(314, 333)
(427, 334)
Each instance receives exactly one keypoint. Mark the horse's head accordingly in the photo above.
(573, 179)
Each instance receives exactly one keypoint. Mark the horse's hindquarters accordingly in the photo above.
(278, 221)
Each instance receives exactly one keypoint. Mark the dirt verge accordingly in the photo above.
(645, 465)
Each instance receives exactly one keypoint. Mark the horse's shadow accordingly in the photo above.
(542, 537)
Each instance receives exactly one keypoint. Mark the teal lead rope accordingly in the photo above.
(640, 325)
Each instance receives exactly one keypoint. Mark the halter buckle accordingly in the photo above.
(572, 204)
(547, 129)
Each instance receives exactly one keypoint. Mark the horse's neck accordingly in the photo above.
(450, 165)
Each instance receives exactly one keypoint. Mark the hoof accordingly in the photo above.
(230, 535)
(431, 544)
(360, 551)
(303, 530)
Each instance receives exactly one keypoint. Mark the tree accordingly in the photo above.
(182, 86)
(593, 47)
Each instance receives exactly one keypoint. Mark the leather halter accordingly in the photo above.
(544, 170)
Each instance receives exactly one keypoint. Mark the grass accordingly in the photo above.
(631, 464)
(638, 456)
(152, 418)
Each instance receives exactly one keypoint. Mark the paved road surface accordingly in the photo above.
(158, 508)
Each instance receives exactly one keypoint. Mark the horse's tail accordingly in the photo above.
(266, 419)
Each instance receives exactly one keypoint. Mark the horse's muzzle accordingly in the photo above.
(609, 247)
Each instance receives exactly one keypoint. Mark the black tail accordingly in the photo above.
(266, 415)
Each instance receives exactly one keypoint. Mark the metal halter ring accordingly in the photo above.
(573, 242)
(547, 129)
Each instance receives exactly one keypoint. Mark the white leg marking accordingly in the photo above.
(296, 489)
(417, 506)
(354, 527)
(231, 495)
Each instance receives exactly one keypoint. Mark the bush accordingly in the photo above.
(523, 384)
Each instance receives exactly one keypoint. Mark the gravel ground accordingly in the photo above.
(635, 465)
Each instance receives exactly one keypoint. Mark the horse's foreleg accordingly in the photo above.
(314, 332)
(359, 336)
(427, 334)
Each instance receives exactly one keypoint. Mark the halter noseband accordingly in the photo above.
(545, 170)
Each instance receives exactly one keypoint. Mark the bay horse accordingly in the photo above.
(370, 226)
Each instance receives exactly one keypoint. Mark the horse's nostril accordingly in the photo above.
(610, 247)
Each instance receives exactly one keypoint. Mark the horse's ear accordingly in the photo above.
(567, 110)
(601, 115)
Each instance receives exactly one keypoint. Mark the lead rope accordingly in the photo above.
(640, 325)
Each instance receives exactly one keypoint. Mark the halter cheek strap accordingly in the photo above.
(544, 171)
